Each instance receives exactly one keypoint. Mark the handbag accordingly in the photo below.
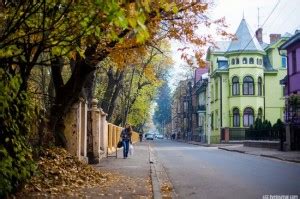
(131, 149)
(120, 144)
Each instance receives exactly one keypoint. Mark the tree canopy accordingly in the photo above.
(52, 50)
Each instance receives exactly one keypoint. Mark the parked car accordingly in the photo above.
(149, 137)
(159, 136)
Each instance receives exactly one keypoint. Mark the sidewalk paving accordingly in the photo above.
(136, 169)
(290, 156)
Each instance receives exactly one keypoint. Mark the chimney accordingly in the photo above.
(258, 34)
(274, 38)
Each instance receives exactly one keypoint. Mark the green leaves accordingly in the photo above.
(16, 164)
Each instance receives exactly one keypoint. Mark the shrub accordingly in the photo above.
(16, 163)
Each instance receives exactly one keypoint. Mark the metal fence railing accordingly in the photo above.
(264, 134)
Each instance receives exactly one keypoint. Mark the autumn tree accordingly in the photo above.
(62, 34)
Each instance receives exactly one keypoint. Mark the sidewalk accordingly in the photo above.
(143, 175)
(205, 144)
(139, 176)
(290, 156)
(136, 171)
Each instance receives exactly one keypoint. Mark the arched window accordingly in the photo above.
(248, 86)
(237, 61)
(235, 86)
(257, 61)
(244, 60)
(259, 114)
(248, 117)
(259, 86)
(251, 60)
(232, 61)
(236, 117)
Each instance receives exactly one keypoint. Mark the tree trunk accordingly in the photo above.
(114, 97)
(66, 95)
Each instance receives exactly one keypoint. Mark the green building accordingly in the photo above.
(244, 82)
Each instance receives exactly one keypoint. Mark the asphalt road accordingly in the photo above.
(208, 172)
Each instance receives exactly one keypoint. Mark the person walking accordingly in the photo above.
(126, 139)
(141, 137)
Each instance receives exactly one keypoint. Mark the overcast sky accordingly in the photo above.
(285, 18)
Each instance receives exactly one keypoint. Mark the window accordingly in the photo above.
(248, 117)
(244, 60)
(212, 93)
(251, 60)
(259, 86)
(259, 61)
(248, 86)
(283, 62)
(200, 120)
(216, 118)
(216, 91)
(232, 61)
(237, 61)
(236, 117)
(235, 86)
(212, 121)
(185, 106)
(259, 114)
(294, 61)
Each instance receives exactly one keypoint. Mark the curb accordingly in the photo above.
(262, 155)
(154, 179)
(233, 150)
(159, 178)
(278, 158)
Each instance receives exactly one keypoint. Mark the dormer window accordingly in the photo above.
(244, 60)
(232, 61)
(237, 61)
(251, 60)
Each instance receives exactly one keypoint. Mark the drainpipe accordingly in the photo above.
(221, 121)
(264, 96)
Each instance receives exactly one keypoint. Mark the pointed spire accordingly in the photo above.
(245, 40)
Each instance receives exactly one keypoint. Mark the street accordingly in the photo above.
(208, 172)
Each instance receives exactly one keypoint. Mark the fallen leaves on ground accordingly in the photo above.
(60, 172)
(166, 190)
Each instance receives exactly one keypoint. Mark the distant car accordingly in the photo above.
(159, 136)
(149, 137)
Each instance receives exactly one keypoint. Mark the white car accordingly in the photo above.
(159, 136)
(149, 137)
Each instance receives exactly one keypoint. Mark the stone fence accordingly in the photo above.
(90, 137)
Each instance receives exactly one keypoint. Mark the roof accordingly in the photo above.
(287, 34)
(199, 72)
(220, 46)
(294, 39)
(245, 40)
(267, 64)
(264, 45)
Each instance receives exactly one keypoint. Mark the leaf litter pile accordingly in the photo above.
(61, 173)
